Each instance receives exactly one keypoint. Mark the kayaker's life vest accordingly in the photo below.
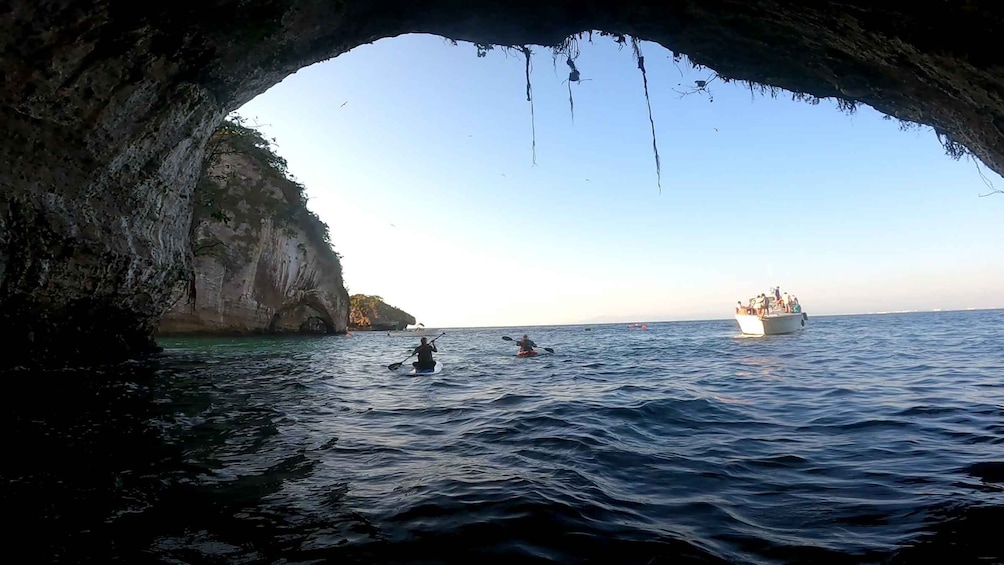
(425, 354)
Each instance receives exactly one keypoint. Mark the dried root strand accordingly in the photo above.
(644, 79)
(529, 98)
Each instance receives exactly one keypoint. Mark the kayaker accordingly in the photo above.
(425, 361)
(526, 344)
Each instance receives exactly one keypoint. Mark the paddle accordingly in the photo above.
(547, 349)
(396, 366)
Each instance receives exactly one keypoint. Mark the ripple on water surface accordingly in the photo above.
(861, 439)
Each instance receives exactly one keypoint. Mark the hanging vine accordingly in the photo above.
(529, 98)
(644, 79)
(569, 47)
(573, 76)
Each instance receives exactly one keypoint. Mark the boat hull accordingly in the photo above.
(414, 333)
(772, 324)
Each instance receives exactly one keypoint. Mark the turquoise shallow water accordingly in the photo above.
(861, 439)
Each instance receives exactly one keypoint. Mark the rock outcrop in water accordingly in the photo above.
(372, 313)
(107, 106)
(263, 261)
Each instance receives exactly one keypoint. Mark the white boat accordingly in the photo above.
(418, 331)
(771, 324)
(774, 321)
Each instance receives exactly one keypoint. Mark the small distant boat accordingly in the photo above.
(415, 331)
(771, 317)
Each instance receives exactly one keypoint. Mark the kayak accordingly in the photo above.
(527, 354)
(416, 373)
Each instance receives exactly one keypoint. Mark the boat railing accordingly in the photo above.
(773, 307)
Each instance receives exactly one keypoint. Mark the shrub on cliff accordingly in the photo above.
(214, 200)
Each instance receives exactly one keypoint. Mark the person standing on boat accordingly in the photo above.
(526, 344)
(425, 361)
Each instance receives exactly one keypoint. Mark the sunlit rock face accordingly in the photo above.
(372, 313)
(262, 262)
(107, 105)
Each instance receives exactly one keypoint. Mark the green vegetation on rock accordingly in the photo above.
(256, 199)
(372, 313)
(263, 261)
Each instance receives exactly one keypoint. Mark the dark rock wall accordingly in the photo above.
(106, 107)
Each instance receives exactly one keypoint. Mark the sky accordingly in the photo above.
(419, 156)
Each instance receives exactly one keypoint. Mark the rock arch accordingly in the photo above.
(107, 105)
(300, 318)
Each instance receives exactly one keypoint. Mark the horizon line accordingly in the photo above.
(642, 321)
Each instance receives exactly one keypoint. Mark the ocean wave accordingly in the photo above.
(861, 439)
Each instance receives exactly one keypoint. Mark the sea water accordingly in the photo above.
(873, 438)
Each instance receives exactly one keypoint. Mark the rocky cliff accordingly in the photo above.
(372, 313)
(107, 106)
(263, 262)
